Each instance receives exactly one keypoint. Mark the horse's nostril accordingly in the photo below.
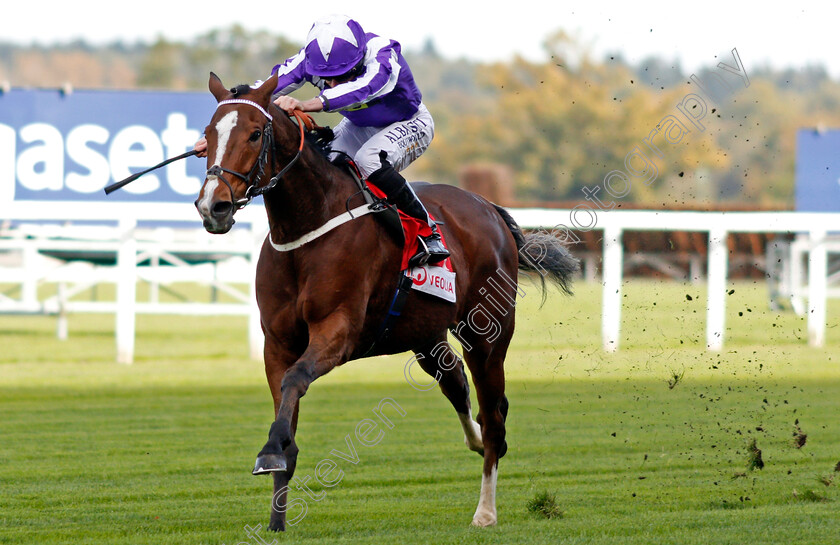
(222, 209)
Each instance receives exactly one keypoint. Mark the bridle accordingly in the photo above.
(266, 156)
(267, 152)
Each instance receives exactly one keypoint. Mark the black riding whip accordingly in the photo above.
(116, 185)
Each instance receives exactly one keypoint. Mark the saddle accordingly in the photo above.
(435, 280)
(403, 227)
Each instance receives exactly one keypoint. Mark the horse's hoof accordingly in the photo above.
(269, 463)
(482, 519)
(277, 527)
(475, 447)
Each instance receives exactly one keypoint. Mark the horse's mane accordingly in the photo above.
(312, 140)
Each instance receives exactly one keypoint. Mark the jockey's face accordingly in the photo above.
(337, 80)
(344, 78)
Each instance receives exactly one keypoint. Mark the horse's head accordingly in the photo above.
(239, 141)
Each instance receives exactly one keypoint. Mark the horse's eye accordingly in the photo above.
(255, 136)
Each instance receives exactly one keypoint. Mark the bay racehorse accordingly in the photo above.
(322, 299)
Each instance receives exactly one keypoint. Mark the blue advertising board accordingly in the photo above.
(818, 171)
(68, 147)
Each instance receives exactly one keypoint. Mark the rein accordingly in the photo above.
(305, 122)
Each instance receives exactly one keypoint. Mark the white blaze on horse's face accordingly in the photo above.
(223, 130)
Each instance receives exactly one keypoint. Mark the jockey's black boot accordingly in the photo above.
(401, 195)
(430, 251)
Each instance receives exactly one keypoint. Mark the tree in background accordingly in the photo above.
(563, 125)
(159, 68)
(558, 125)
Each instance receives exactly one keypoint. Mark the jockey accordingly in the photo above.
(385, 127)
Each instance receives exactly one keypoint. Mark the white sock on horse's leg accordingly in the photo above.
(472, 432)
(485, 513)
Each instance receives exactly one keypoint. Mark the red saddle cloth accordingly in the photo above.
(412, 228)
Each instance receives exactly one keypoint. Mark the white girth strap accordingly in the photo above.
(322, 230)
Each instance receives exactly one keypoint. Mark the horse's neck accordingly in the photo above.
(309, 195)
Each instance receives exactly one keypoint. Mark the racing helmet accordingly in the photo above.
(335, 45)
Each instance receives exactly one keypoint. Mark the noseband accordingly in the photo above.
(266, 156)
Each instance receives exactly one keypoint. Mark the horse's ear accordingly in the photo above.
(266, 89)
(217, 87)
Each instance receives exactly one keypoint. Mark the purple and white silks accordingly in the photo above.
(385, 92)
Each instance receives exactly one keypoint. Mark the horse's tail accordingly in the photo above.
(542, 253)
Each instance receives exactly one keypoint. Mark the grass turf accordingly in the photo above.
(648, 445)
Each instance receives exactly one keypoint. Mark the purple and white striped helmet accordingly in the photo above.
(334, 46)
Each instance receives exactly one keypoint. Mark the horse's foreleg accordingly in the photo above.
(273, 456)
(277, 361)
(279, 498)
(328, 348)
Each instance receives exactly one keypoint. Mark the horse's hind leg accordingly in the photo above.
(485, 359)
(440, 361)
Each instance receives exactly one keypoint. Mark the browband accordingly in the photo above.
(244, 101)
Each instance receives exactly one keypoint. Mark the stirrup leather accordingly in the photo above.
(422, 256)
